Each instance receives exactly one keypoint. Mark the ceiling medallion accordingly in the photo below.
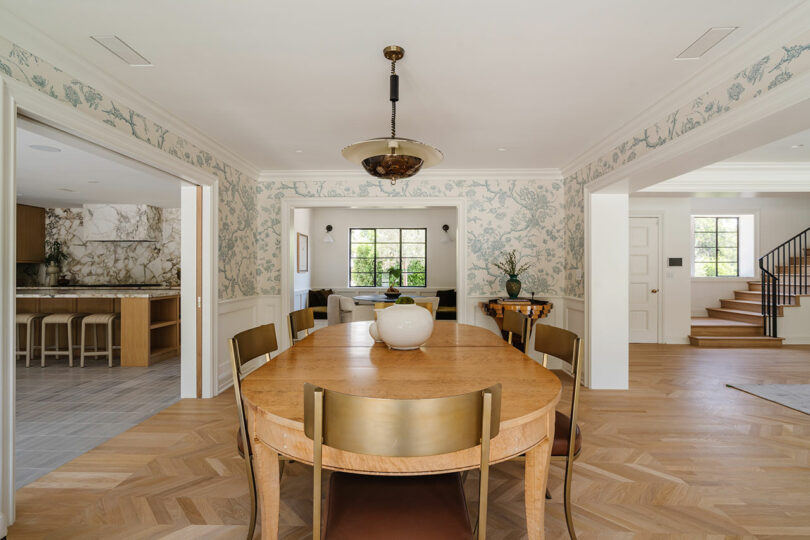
(391, 157)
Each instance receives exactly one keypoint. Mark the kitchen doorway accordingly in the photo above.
(195, 221)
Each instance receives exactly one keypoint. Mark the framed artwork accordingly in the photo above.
(303, 253)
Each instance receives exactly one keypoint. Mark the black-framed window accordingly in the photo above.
(717, 246)
(373, 252)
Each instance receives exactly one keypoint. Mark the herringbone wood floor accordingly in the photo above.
(679, 455)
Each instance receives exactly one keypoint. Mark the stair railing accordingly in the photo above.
(784, 275)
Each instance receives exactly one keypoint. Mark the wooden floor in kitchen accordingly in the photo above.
(677, 455)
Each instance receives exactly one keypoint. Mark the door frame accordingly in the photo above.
(17, 98)
(661, 289)
(288, 241)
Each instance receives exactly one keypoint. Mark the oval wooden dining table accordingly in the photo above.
(457, 358)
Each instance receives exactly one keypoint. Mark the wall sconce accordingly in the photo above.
(445, 237)
(327, 238)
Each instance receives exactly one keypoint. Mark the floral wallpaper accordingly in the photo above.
(237, 205)
(526, 215)
(762, 76)
(543, 220)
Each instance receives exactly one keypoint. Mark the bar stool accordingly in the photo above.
(58, 319)
(98, 320)
(29, 321)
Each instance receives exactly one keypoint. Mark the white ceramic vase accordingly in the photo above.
(404, 326)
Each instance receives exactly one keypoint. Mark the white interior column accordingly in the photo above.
(188, 291)
(606, 290)
(8, 254)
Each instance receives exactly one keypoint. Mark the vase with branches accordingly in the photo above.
(509, 266)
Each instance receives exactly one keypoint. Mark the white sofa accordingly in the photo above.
(339, 309)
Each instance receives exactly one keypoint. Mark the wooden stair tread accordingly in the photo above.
(744, 338)
(735, 342)
(736, 311)
(713, 321)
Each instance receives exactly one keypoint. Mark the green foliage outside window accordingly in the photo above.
(716, 249)
(375, 256)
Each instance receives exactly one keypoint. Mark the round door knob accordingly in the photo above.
(654, 291)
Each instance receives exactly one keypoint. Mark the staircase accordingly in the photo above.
(750, 319)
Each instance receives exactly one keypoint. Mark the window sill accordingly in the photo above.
(726, 279)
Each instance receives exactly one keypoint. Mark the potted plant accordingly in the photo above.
(54, 259)
(509, 266)
(394, 276)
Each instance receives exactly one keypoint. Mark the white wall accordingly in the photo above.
(330, 262)
(673, 214)
(607, 291)
(777, 218)
(302, 281)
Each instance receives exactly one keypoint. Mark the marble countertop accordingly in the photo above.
(96, 292)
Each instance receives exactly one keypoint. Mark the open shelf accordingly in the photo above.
(161, 324)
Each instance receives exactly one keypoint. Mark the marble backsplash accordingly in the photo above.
(95, 263)
(122, 223)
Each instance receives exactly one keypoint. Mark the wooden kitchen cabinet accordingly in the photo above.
(30, 234)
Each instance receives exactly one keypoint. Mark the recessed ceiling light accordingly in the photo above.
(116, 45)
(501, 149)
(66, 189)
(299, 151)
(704, 43)
(797, 146)
(45, 148)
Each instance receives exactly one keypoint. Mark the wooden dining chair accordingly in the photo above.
(566, 346)
(301, 320)
(517, 324)
(245, 346)
(399, 507)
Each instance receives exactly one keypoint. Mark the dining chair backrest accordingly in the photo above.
(301, 320)
(567, 346)
(383, 305)
(245, 346)
(517, 324)
(400, 428)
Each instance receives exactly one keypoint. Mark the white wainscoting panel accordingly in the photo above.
(238, 315)
(300, 298)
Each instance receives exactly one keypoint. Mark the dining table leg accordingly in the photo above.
(265, 460)
(538, 461)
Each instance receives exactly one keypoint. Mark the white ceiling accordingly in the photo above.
(780, 151)
(545, 80)
(93, 174)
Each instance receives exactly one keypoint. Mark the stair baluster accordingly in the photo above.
(784, 275)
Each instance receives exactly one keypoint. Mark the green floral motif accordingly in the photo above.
(779, 79)
(72, 96)
(38, 80)
(735, 91)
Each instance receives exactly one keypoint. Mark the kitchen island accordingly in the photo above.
(149, 328)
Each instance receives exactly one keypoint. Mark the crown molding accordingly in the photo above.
(791, 22)
(31, 38)
(432, 174)
(740, 177)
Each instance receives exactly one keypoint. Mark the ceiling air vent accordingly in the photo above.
(116, 45)
(704, 43)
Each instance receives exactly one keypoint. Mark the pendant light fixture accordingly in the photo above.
(392, 157)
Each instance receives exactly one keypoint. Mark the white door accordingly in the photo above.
(644, 295)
